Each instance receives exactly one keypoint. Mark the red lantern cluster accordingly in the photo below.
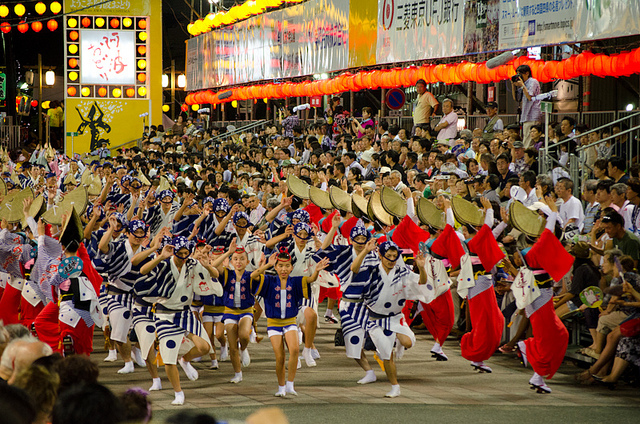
(585, 63)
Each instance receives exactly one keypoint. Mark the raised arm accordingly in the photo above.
(286, 201)
(223, 223)
(265, 266)
(335, 223)
(277, 239)
(167, 251)
(319, 267)
(357, 262)
(106, 237)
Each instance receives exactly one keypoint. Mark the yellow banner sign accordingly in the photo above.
(114, 7)
(95, 120)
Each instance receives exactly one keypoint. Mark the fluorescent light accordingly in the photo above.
(165, 80)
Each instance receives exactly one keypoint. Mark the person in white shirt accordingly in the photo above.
(448, 126)
(571, 210)
(528, 184)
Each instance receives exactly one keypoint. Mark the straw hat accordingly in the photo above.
(466, 212)
(11, 206)
(95, 188)
(87, 176)
(3, 187)
(72, 229)
(164, 185)
(70, 179)
(320, 198)
(429, 214)
(377, 212)
(297, 187)
(144, 180)
(393, 203)
(77, 199)
(340, 199)
(526, 220)
(38, 207)
(358, 205)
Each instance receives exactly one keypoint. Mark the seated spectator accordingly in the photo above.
(41, 385)
(88, 403)
(16, 406)
(20, 354)
(615, 169)
(592, 206)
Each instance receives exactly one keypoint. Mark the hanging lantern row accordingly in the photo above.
(19, 9)
(586, 63)
(235, 14)
(23, 26)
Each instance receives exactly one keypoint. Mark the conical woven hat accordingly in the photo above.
(320, 198)
(11, 207)
(38, 207)
(466, 212)
(95, 187)
(297, 187)
(376, 211)
(3, 187)
(70, 179)
(526, 220)
(164, 185)
(144, 180)
(429, 214)
(72, 229)
(76, 199)
(393, 203)
(86, 176)
(340, 199)
(359, 205)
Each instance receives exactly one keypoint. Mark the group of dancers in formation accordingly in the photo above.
(176, 294)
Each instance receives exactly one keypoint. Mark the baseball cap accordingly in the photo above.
(492, 104)
(518, 145)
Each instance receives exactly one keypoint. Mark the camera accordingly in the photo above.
(515, 78)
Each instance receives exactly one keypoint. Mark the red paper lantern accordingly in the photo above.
(36, 26)
(561, 72)
(438, 72)
(52, 25)
(608, 62)
(115, 23)
(130, 92)
(23, 27)
(142, 24)
(73, 35)
(102, 91)
(71, 91)
(5, 27)
(34, 103)
(184, 108)
(86, 22)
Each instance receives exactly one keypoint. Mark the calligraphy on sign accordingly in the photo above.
(107, 57)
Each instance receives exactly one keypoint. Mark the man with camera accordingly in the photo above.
(523, 88)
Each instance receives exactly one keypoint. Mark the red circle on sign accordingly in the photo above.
(395, 99)
(388, 10)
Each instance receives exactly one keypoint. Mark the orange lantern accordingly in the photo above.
(115, 23)
(130, 92)
(5, 27)
(142, 77)
(102, 91)
(561, 71)
(36, 26)
(73, 35)
(23, 27)
(428, 75)
(570, 67)
(86, 22)
(52, 25)
(438, 72)
(142, 50)
(608, 62)
(73, 62)
(358, 81)
(142, 24)
(71, 91)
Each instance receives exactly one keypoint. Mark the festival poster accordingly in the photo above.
(113, 7)
(116, 121)
(419, 29)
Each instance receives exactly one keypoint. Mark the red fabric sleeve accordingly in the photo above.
(88, 269)
(315, 213)
(448, 246)
(486, 247)
(408, 235)
(547, 253)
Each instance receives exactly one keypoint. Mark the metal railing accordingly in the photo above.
(10, 134)
(238, 130)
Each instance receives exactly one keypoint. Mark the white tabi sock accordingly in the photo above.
(156, 385)
(179, 400)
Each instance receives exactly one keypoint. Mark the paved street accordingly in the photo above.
(431, 391)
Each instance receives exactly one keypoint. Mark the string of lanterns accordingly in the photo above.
(235, 14)
(19, 10)
(585, 63)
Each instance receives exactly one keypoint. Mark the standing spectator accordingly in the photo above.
(331, 110)
(592, 207)
(524, 89)
(55, 115)
(494, 124)
(424, 107)
(289, 122)
(178, 127)
(448, 126)
(367, 122)
(571, 212)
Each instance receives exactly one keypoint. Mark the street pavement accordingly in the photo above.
(432, 391)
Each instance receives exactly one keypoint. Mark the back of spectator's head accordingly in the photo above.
(41, 385)
(16, 406)
(77, 369)
(614, 218)
(384, 125)
(137, 406)
(493, 181)
(191, 417)
(20, 354)
(17, 331)
(88, 403)
(523, 69)
(531, 152)
(545, 182)
(634, 185)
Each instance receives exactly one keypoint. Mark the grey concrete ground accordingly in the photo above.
(432, 391)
